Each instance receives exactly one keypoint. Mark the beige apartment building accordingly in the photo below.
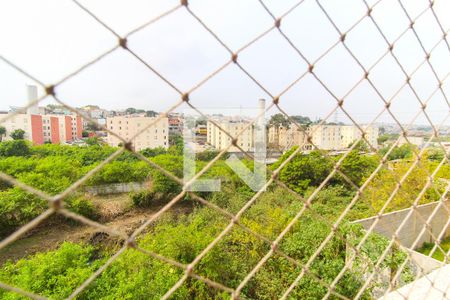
(340, 137)
(157, 135)
(326, 137)
(351, 133)
(284, 138)
(219, 140)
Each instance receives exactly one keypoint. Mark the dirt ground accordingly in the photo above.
(115, 211)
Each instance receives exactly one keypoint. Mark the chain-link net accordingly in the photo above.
(55, 203)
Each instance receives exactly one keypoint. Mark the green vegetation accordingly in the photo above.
(2, 132)
(438, 253)
(18, 134)
(134, 275)
(52, 169)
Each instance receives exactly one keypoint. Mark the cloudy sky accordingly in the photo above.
(52, 38)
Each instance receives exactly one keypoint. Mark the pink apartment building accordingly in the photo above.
(45, 128)
(40, 127)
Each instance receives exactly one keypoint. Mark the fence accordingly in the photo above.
(388, 223)
(116, 188)
(389, 44)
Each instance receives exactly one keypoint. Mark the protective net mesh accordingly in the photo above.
(302, 267)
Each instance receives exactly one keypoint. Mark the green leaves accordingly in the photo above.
(54, 274)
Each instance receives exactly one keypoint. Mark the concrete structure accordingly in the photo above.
(390, 222)
(116, 188)
(434, 286)
(156, 135)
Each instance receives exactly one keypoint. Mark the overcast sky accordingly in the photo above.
(52, 38)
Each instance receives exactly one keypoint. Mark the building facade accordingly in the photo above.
(284, 138)
(45, 128)
(127, 126)
(326, 137)
(219, 140)
(340, 137)
(175, 124)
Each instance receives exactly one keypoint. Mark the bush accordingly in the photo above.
(55, 274)
(17, 208)
(15, 148)
(82, 206)
(143, 198)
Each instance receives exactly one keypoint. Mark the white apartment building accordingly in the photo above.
(339, 137)
(351, 133)
(157, 135)
(326, 137)
(219, 140)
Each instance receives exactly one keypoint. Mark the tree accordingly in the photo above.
(151, 152)
(92, 126)
(14, 148)
(132, 110)
(92, 141)
(17, 134)
(2, 132)
(357, 167)
(302, 120)
(279, 120)
(305, 170)
(176, 144)
(405, 151)
(151, 113)
(382, 138)
(435, 154)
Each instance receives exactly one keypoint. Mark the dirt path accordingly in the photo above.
(50, 236)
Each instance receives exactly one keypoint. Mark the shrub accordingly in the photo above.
(55, 274)
(15, 148)
(82, 206)
(143, 198)
(17, 208)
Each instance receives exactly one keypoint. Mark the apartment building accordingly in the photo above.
(351, 133)
(284, 138)
(326, 137)
(41, 126)
(156, 135)
(219, 140)
(175, 124)
(45, 128)
(339, 137)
